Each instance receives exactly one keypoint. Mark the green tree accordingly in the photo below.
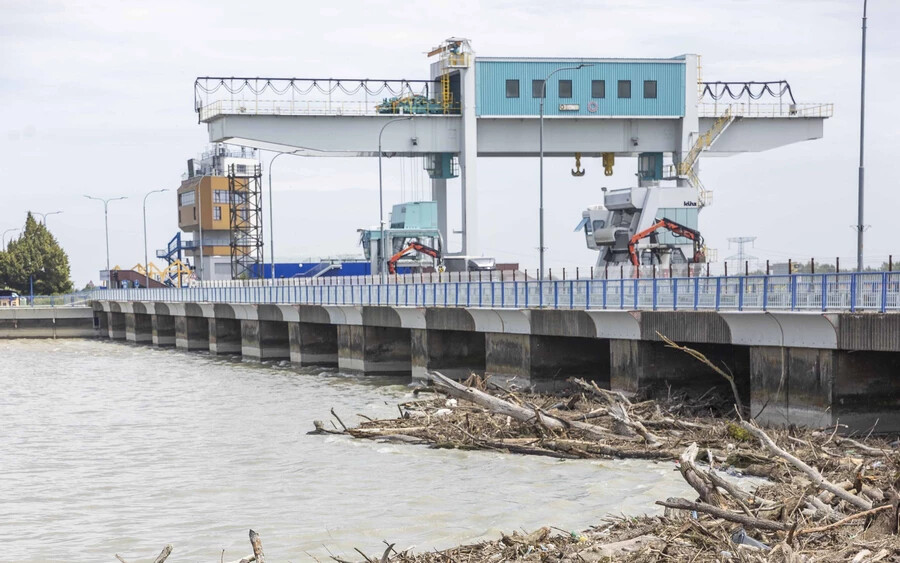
(35, 253)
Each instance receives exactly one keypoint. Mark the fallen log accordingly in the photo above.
(516, 412)
(256, 544)
(840, 523)
(817, 479)
(746, 521)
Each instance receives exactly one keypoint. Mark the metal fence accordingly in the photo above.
(80, 299)
(878, 291)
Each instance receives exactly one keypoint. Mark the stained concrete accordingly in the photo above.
(650, 367)
(191, 333)
(265, 340)
(163, 330)
(546, 362)
(313, 344)
(49, 322)
(224, 336)
(138, 328)
(455, 353)
(115, 323)
(374, 349)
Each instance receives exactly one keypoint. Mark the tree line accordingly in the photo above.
(35, 256)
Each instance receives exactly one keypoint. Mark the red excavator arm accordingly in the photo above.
(676, 229)
(418, 247)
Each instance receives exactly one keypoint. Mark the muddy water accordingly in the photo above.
(112, 448)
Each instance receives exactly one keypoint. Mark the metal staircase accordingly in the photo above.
(686, 169)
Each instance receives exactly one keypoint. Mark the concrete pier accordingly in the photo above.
(163, 330)
(51, 322)
(374, 349)
(313, 344)
(191, 333)
(545, 362)
(138, 328)
(115, 323)
(455, 353)
(265, 340)
(225, 336)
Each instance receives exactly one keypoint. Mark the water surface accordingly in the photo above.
(113, 448)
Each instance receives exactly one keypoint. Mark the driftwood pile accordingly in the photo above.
(825, 497)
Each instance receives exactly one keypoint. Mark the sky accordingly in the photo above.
(97, 98)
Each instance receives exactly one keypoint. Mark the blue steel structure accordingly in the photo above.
(875, 291)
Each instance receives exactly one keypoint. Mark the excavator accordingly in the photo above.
(676, 229)
(417, 247)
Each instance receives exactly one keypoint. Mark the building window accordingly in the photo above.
(624, 88)
(240, 168)
(187, 198)
(649, 88)
(220, 196)
(565, 88)
(537, 88)
(217, 213)
(598, 88)
(512, 88)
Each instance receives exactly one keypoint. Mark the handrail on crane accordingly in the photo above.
(676, 229)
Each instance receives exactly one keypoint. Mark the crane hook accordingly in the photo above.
(609, 160)
(578, 172)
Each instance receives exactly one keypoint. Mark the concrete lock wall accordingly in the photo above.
(41, 322)
(225, 336)
(546, 362)
(191, 333)
(138, 328)
(651, 367)
(374, 349)
(163, 330)
(455, 353)
(265, 340)
(313, 344)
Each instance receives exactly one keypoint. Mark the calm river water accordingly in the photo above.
(112, 448)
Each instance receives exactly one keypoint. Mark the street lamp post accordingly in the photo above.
(541, 209)
(146, 260)
(860, 227)
(4, 236)
(45, 215)
(271, 221)
(106, 226)
(382, 262)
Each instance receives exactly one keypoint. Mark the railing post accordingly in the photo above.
(696, 293)
(741, 293)
(635, 294)
(824, 292)
(853, 287)
(587, 294)
(675, 294)
(719, 289)
(654, 288)
(884, 284)
(794, 293)
(555, 294)
(765, 303)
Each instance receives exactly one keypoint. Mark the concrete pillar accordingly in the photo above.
(313, 344)
(138, 328)
(224, 336)
(191, 333)
(115, 322)
(816, 388)
(374, 349)
(265, 340)
(545, 362)
(651, 367)
(455, 353)
(163, 330)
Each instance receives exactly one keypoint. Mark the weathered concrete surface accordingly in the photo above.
(138, 328)
(265, 340)
(47, 322)
(817, 388)
(163, 330)
(224, 336)
(455, 353)
(374, 349)
(313, 344)
(651, 367)
(191, 333)
(116, 325)
(545, 362)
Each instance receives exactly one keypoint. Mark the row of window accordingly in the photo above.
(243, 212)
(598, 88)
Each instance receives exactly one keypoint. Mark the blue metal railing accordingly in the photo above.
(865, 291)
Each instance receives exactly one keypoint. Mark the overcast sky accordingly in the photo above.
(96, 98)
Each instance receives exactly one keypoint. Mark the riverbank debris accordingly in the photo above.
(823, 497)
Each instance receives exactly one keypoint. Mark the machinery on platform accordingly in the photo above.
(413, 222)
(415, 247)
(676, 229)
